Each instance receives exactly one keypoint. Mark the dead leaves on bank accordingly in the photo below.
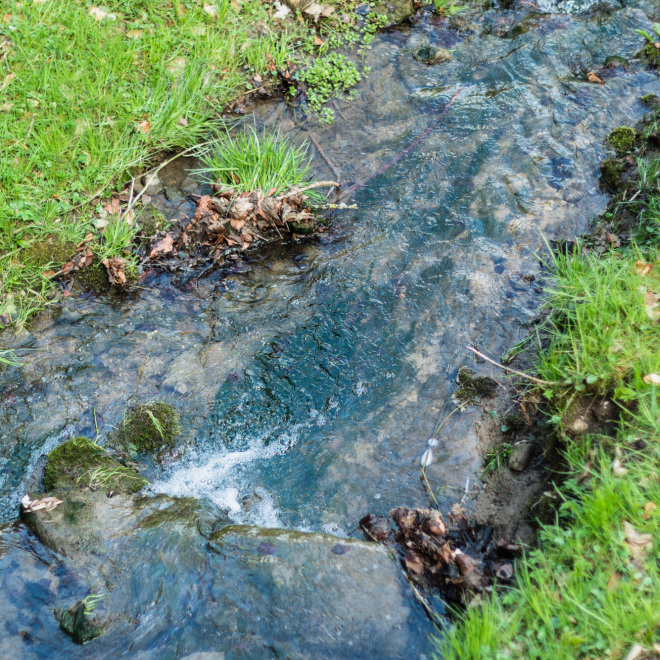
(236, 220)
(457, 557)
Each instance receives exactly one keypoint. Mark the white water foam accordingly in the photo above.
(217, 476)
(565, 6)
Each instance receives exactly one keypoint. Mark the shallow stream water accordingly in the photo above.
(311, 375)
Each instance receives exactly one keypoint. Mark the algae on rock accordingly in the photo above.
(622, 139)
(149, 427)
(80, 462)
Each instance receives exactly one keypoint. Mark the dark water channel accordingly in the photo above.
(310, 376)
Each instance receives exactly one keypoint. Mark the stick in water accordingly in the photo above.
(513, 371)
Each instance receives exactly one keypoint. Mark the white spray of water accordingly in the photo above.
(217, 476)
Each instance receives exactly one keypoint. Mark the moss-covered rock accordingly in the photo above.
(78, 462)
(149, 427)
(395, 11)
(622, 140)
(94, 277)
(611, 173)
(431, 55)
(651, 101)
(472, 387)
(616, 60)
(650, 55)
(50, 251)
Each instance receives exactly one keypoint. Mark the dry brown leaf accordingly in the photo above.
(163, 246)
(649, 508)
(617, 469)
(144, 126)
(652, 379)
(613, 581)
(182, 121)
(635, 652)
(638, 544)
(414, 562)
(327, 11)
(211, 10)
(237, 224)
(115, 267)
(593, 77)
(643, 268)
(652, 305)
(46, 504)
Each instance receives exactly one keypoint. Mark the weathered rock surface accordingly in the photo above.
(173, 569)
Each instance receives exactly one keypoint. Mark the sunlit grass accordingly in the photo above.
(585, 591)
(249, 161)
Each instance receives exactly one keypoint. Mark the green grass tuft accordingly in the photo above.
(248, 161)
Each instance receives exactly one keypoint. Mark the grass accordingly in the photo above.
(589, 587)
(90, 96)
(248, 161)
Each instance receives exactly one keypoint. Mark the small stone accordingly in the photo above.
(432, 55)
(520, 455)
(579, 426)
(74, 622)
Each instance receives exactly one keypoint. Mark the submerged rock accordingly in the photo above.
(75, 623)
(431, 55)
(246, 590)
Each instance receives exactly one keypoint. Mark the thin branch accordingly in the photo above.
(318, 184)
(513, 371)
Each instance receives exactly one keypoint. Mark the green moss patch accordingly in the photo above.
(472, 387)
(149, 428)
(611, 174)
(94, 277)
(80, 462)
(622, 140)
(651, 101)
(51, 251)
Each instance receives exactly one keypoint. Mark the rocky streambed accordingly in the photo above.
(310, 375)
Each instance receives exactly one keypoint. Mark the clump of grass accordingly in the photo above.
(149, 427)
(8, 358)
(447, 7)
(497, 458)
(269, 162)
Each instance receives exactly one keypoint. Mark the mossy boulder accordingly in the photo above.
(149, 428)
(472, 387)
(80, 463)
(622, 140)
(611, 174)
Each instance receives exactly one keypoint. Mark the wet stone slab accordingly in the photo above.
(176, 581)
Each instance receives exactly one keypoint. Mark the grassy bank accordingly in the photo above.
(90, 95)
(590, 587)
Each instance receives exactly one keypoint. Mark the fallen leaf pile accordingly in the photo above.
(459, 558)
(236, 220)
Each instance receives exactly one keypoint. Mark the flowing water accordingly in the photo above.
(311, 375)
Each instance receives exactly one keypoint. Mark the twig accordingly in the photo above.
(428, 486)
(513, 371)
(330, 164)
(318, 184)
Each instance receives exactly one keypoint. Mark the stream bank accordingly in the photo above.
(310, 377)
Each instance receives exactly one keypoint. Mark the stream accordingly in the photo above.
(310, 375)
